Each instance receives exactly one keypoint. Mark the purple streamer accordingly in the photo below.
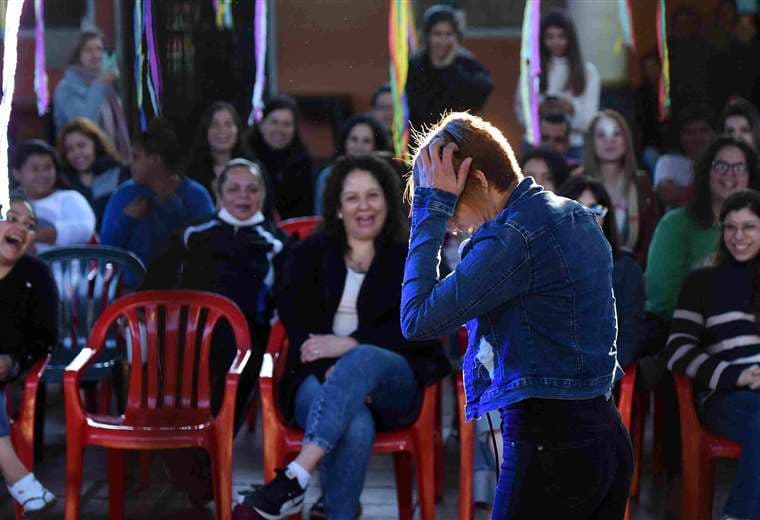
(40, 74)
(153, 62)
(260, 51)
(535, 67)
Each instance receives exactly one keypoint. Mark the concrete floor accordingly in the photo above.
(161, 501)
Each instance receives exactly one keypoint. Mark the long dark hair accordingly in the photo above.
(742, 108)
(201, 165)
(574, 188)
(280, 102)
(576, 80)
(700, 209)
(395, 227)
(378, 134)
(26, 149)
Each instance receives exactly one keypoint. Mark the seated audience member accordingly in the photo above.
(91, 164)
(566, 81)
(555, 135)
(741, 120)
(218, 141)
(144, 211)
(29, 321)
(627, 276)
(688, 237)
(232, 253)
(546, 167)
(443, 76)
(349, 370)
(87, 90)
(609, 157)
(361, 134)
(647, 109)
(382, 108)
(64, 218)
(714, 340)
(674, 172)
(276, 143)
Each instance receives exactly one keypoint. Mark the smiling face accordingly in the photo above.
(362, 206)
(442, 39)
(741, 234)
(80, 151)
(222, 132)
(242, 194)
(555, 40)
(37, 176)
(725, 180)
(738, 127)
(278, 128)
(17, 232)
(360, 140)
(609, 141)
(91, 55)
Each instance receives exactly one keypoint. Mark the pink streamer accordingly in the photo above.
(40, 74)
(260, 51)
(155, 66)
(535, 68)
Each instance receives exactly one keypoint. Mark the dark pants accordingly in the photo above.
(563, 459)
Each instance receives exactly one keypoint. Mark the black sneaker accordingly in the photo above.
(280, 498)
(317, 511)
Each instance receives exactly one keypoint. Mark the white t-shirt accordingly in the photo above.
(674, 167)
(346, 319)
(71, 215)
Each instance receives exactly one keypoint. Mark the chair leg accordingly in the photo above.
(74, 468)
(221, 467)
(637, 437)
(425, 464)
(466, 446)
(659, 429)
(116, 484)
(402, 463)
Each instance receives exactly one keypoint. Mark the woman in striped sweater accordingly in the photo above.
(714, 340)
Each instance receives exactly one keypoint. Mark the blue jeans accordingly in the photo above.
(5, 427)
(563, 459)
(336, 417)
(736, 414)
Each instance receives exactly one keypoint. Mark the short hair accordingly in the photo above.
(161, 139)
(557, 118)
(743, 199)
(695, 112)
(18, 195)
(378, 133)
(34, 147)
(385, 88)
(476, 138)
(84, 37)
(85, 126)
(700, 208)
(395, 227)
(574, 188)
(240, 162)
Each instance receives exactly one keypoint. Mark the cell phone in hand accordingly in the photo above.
(110, 64)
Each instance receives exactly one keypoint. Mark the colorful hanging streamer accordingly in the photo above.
(627, 37)
(10, 56)
(223, 11)
(401, 43)
(662, 48)
(139, 62)
(40, 74)
(530, 69)
(154, 80)
(260, 56)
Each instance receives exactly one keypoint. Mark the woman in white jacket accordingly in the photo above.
(64, 217)
(567, 83)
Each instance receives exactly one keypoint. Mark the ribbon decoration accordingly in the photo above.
(139, 62)
(10, 57)
(40, 74)
(530, 69)
(260, 57)
(401, 42)
(223, 11)
(154, 80)
(662, 48)
(627, 37)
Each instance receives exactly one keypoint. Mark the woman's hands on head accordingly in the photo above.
(435, 167)
(320, 346)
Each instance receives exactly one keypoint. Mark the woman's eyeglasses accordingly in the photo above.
(598, 210)
(722, 167)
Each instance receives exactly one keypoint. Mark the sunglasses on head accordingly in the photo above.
(598, 210)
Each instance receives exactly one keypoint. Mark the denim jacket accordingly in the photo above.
(535, 289)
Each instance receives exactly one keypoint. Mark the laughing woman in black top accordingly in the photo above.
(28, 320)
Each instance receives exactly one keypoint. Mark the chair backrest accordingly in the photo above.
(300, 227)
(89, 278)
(170, 335)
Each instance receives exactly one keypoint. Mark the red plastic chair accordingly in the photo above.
(300, 227)
(168, 403)
(22, 425)
(625, 408)
(414, 442)
(699, 449)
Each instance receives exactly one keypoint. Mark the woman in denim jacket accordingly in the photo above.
(535, 289)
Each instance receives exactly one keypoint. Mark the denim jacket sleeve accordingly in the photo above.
(495, 269)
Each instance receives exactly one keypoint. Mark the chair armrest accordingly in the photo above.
(23, 427)
(231, 381)
(71, 376)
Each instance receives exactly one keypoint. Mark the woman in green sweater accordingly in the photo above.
(687, 238)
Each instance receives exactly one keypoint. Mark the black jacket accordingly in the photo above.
(312, 285)
(463, 85)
